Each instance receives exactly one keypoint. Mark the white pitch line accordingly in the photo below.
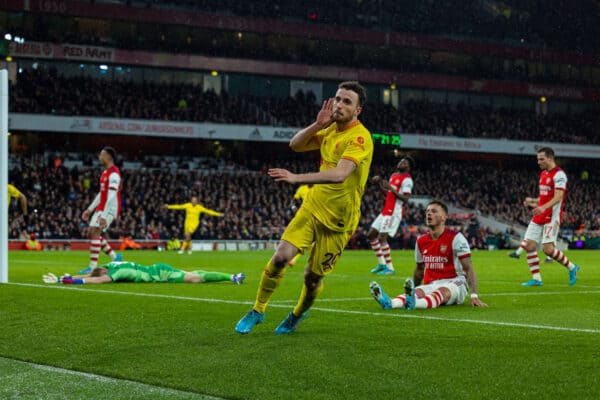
(107, 379)
(332, 310)
(519, 294)
(400, 281)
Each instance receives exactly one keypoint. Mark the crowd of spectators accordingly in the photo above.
(47, 92)
(255, 207)
(511, 21)
(518, 23)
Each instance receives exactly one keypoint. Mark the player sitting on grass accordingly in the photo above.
(444, 264)
(125, 271)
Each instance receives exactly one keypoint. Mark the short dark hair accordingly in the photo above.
(547, 151)
(439, 203)
(356, 88)
(111, 151)
(410, 160)
(98, 271)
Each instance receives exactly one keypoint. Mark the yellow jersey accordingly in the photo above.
(174, 244)
(302, 192)
(192, 212)
(13, 193)
(337, 205)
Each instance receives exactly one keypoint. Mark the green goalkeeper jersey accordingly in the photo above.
(126, 271)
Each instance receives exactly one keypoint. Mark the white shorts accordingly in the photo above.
(543, 233)
(457, 286)
(387, 224)
(94, 223)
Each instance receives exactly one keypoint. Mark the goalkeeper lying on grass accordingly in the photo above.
(126, 271)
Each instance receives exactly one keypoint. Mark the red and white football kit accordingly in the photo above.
(107, 203)
(544, 227)
(389, 219)
(443, 268)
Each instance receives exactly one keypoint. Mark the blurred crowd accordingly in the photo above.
(255, 207)
(48, 92)
(522, 24)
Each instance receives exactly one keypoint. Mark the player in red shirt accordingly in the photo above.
(398, 191)
(105, 208)
(547, 216)
(444, 265)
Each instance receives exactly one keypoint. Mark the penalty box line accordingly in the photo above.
(324, 309)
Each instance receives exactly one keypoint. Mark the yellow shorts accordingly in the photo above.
(304, 230)
(190, 226)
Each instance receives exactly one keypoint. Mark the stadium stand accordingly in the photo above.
(257, 208)
(48, 92)
(520, 26)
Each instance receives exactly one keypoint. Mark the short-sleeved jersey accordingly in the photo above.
(442, 256)
(110, 180)
(126, 271)
(174, 244)
(403, 184)
(552, 180)
(192, 212)
(337, 205)
(302, 192)
(13, 193)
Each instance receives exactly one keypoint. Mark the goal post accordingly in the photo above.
(3, 176)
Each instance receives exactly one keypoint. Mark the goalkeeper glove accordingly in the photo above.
(65, 279)
(50, 278)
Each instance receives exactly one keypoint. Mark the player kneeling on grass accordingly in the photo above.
(444, 264)
(124, 271)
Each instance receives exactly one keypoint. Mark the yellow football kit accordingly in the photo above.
(192, 215)
(331, 213)
(300, 195)
(13, 193)
(302, 192)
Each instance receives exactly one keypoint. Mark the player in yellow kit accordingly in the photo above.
(299, 197)
(301, 194)
(193, 210)
(14, 193)
(331, 212)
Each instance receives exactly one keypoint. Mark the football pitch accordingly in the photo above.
(176, 341)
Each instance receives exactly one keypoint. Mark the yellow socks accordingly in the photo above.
(269, 281)
(307, 298)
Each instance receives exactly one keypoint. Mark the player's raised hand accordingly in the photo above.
(86, 215)
(282, 175)
(325, 116)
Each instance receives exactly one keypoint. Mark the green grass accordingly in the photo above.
(530, 343)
